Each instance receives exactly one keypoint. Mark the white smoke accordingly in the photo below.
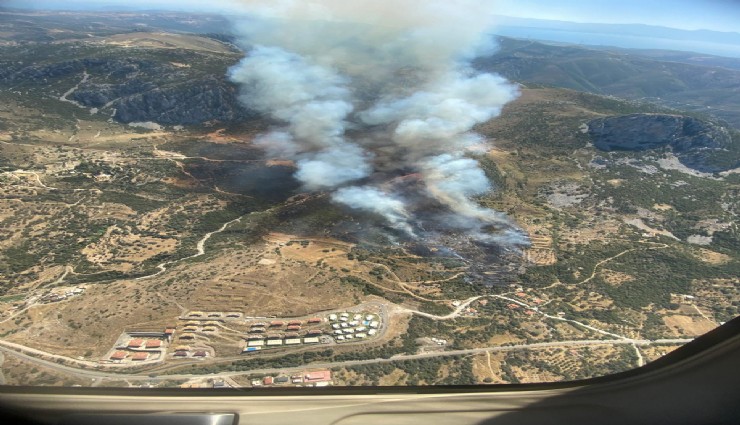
(313, 102)
(374, 200)
(396, 73)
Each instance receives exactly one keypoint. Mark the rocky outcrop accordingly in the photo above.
(696, 143)
(141, 90)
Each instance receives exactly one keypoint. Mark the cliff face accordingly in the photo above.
(140, 90)
(697, 144)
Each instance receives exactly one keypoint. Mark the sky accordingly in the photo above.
(718, 15)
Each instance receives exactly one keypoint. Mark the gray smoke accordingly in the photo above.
(395, 76)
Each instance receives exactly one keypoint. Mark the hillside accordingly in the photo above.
(678, 83)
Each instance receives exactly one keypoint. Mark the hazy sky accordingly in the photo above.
(720, 15)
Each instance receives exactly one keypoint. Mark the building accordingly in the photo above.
(267, 380)
(200, 353)
(311, 340)
(214, 314)
(314, 320)
(295, 323)
(318, 376)
(276, 324)
(274, 342)
(315, 332)
(190, 329)
(369, 317)
(294, 328)
(374, 324)
(372, 332)
(251, 349)
(153, 343)
(181, 353)
(282, 380)
(292, 341)
(333, 317)
(135, 343)
(118, 355)
(361, 335)
(256, 343)
(195, 314)
(233, 314)
(140, 356)
(188, 337)
(210, 329)
(182, 348)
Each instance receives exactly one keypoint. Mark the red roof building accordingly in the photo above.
(140, 356)
(169, 331)
(135, 343)
(276, 323)
(314, 320)
(294, 323)
(320, 376)
(200, 353)
(294, 328)
(267, 380)
(118, 355)
(314, 332)
(153, 343)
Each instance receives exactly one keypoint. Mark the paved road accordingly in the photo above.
(144, 377)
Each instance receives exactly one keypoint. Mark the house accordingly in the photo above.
(267, 380)
(333, 317)
(314, 320)
(318, 376)
(294, 328)
(295, 323)
(140, 356)
(153, 343)
(200, 353)
(118, 355)
(282, 380)
(181, 353)
(135, 343)
(276, 324)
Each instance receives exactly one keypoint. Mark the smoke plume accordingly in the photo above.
(362, 92)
